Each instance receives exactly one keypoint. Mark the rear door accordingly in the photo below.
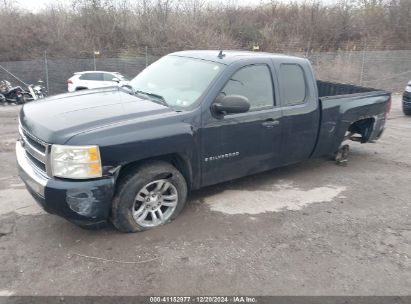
(241, 144)
(300, 110)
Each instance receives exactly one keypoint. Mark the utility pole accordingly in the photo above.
(46, 68)
(94, 59)
(146, 56)
(363, 61)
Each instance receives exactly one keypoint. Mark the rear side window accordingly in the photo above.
(293, 86)
(253, 82)
(92, 76)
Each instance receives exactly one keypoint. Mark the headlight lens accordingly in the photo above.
(77, 162)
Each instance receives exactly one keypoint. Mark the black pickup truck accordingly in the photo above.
(191, 119)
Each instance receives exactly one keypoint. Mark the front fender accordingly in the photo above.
(134, 140)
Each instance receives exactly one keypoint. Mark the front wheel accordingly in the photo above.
(151, 196)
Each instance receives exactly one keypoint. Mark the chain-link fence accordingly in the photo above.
(389, 70)
(55, 72)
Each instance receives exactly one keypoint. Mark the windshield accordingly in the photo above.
(180, 81)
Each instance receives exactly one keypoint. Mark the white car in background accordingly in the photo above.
(95, 79)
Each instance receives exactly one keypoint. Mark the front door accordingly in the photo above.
(241, 144)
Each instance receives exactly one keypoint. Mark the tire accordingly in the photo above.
(150, 190)
(406, 111)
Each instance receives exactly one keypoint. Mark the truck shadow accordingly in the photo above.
(319, 170)
(262, 180)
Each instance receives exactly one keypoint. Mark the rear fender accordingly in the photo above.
(363, 115)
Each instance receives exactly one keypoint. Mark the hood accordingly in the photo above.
(56, 119)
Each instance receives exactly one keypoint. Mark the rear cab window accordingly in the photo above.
(293, 84)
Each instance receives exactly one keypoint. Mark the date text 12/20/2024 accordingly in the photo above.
(204, 299)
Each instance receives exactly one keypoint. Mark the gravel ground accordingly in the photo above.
(310, 229)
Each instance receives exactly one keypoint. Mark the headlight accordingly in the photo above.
(408, 88)
(78, 162)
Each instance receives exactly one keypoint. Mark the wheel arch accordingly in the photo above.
(364, 127)
(179, 161)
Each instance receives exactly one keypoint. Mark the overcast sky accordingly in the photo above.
(36, 5)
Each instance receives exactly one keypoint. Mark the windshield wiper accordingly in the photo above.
(157, 98)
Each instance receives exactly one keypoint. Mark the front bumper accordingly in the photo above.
(86, 203)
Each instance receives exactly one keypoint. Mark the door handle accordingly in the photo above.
(270, 123)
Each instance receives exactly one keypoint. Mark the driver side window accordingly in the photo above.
(253, 82)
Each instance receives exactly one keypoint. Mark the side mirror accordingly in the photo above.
(231, 104)
(115, 80)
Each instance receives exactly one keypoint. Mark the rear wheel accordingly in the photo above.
(151, 196)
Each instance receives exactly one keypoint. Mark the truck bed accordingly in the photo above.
(328, 89)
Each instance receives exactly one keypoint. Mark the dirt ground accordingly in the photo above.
(310, 229)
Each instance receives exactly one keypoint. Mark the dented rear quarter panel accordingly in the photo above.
(339, 112)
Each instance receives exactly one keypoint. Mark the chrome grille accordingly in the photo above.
(36, 150)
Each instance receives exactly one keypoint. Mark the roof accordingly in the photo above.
(230, 55)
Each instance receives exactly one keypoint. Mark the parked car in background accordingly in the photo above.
(406, 99)
(95, 79)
